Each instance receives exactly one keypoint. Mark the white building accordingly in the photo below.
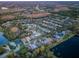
(4, 8)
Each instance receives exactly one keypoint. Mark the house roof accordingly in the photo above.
(18, 41)
(32, 46)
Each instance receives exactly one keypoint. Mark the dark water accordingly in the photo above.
(67, 49)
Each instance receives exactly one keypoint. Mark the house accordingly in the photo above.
(15, 43)
(35, 34)
(32, 46)
(12, 44)
(18, 41)
(60, 34)
(25, 39)
(47, 41)
(56, 37)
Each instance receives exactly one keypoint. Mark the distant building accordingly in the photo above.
(25, 39)
(60, 34)
(4, 8)
(32, 46)
(37, 15)
(37, 8)
(61, 8)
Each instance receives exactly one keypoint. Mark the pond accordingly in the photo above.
(3, 40)
(67, 49)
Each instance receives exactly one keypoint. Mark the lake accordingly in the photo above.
(67, 49)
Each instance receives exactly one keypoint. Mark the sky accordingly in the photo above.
(39, 0)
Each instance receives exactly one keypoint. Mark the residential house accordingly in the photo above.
(25, 39)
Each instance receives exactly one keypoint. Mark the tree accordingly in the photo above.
(11, 55)
(75, 28)
(9, 34)
(24, 52)
(73, 13)
(42, 48)
(2, 50)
